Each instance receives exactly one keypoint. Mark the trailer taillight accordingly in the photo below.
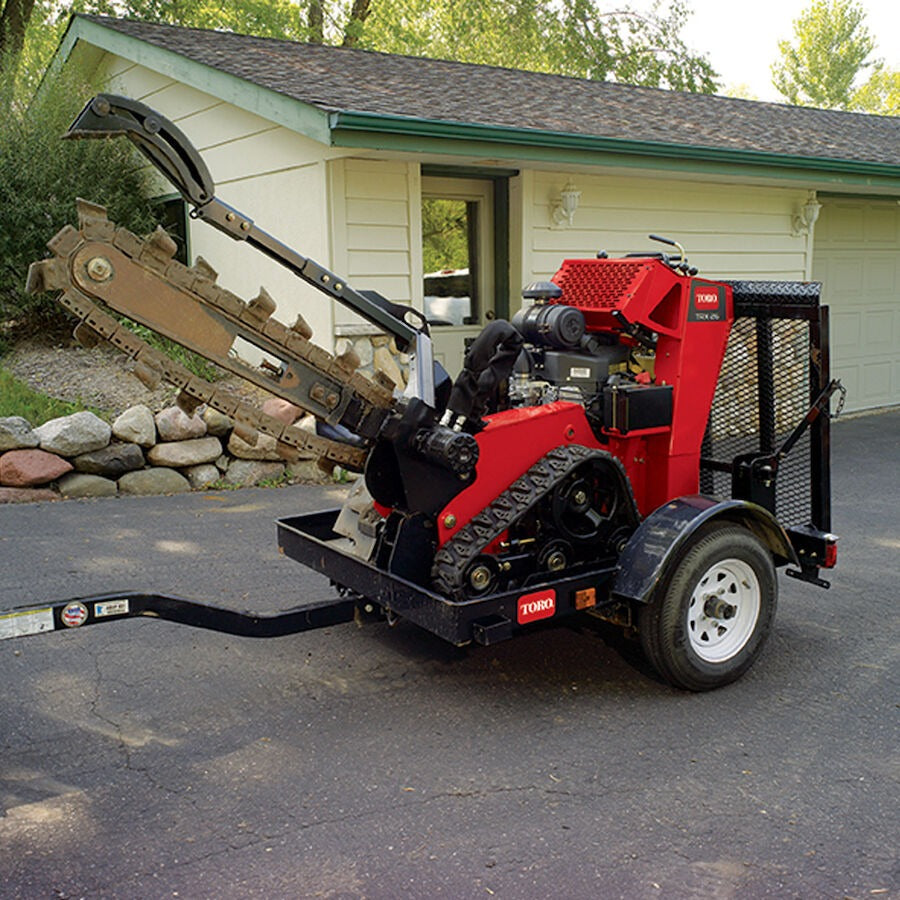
(830, 552)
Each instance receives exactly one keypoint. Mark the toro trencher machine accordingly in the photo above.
(638, 444)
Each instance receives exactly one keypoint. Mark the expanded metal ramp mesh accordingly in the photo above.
(771, 374)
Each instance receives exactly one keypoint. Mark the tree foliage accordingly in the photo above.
(40, 176)
(444, 234)
(566, 37)
(880, 94)
(830, 51)
(582, 38)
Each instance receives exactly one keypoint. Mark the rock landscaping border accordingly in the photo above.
(143, 453)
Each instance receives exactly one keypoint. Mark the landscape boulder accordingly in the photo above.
(26, 495)
(112, 461)
(202, 476)
(73, 435)
(282, 410)
(387, 365)
(136, 426)
(266, 448)
(180, 454)
(250, 472)
(154, 481)
(217, 424)
(29, 468)
(16, 434)
(173, 425)
(79, 485)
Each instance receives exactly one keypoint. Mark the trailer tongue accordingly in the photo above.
(639, 443)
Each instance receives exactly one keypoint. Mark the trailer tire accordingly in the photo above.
(708, 621)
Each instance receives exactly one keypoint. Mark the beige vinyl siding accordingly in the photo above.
(728, 231)
(375, 226)
(857, 259)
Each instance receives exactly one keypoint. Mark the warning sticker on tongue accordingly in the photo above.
(19, 624)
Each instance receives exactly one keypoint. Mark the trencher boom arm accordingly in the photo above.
(139, 278)
(172, 154)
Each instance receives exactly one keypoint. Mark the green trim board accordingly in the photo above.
(446, 171)
(268, 104)
(358, 129)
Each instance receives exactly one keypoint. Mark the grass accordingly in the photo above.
(194, 363)
(17, 399)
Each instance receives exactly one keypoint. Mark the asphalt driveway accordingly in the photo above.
(145, 759)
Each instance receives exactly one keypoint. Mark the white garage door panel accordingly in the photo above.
(881, 336)
(846, 333)
(857, 259)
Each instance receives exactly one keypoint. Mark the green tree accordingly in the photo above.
(581, 38)
(444, 234)
(565, 37)
(40, 176)
(880, 94)
(830, 49)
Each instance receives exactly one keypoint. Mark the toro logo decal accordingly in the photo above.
(539, 605)
(707, 302)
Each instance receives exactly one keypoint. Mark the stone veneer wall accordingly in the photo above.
(377, 353)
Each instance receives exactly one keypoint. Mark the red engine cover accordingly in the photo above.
(691, 318)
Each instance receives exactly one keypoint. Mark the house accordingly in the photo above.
(338, 152)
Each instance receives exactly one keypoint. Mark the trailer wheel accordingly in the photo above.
(705, 627)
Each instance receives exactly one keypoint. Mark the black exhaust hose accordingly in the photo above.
(488, 363)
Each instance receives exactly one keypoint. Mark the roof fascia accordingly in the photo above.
(291, 113)
(397, 133)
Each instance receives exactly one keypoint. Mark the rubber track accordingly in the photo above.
(199, 286)
(452, 560)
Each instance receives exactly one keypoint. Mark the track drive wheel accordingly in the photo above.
(708, 622)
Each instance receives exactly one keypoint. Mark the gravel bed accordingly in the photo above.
(99, 377)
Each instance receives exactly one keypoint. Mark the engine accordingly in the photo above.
(560, 359)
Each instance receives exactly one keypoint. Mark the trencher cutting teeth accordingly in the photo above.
(139, 279)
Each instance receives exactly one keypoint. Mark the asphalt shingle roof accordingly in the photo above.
(337, 79)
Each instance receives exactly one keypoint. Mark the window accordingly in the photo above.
(450, 261)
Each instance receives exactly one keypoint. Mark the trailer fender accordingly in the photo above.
(657, 545)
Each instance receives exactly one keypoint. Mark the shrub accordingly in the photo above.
(40, 177)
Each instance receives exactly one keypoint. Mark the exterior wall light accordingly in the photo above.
(804, 220)
(563, 210)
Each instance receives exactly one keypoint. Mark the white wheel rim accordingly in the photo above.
(723, 610)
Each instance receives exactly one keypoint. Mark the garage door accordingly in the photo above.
(857, 259)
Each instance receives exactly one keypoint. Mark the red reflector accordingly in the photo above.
(539, 605)
(830, 556)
